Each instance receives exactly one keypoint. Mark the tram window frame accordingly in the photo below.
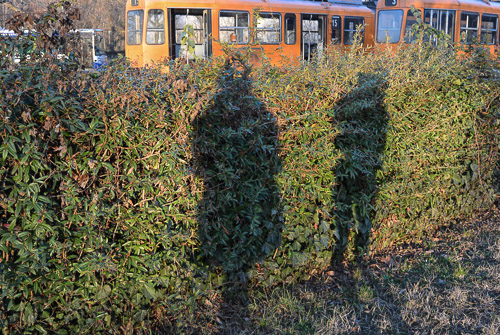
(236, 28)
(139, 28)
(411, 35)
(267, 30)
(488, 31)
(470, 37)
(290, 31)
(337, 29)
(438, 23)
(348, 40)
(391, 40)
(156, 31)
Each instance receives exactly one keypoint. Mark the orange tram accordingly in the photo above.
(465, 21)
(293, 30)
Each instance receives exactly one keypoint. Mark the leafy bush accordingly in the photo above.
(441, 146)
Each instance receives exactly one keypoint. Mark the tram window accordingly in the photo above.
(134, 2)
(336, 29)
(234, 27)
(290, 29)
(489, 29)
(411, 22)
(431, 17)
(447, 23)
(135, 19)
(389, 26)
(441, 19)
(469, 27)
(268, 29)
(155, 32)
(180, 20)
(350, 26)
(192, 19)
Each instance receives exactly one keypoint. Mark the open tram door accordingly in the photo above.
(180, 21)
(93, 55)
(313, 35)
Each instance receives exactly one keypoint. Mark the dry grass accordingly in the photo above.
(450, 285)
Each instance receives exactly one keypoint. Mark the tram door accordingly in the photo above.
(196, 28)
(313, 37)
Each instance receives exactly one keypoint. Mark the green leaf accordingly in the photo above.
(12, 147)
(40, 329)
(324, 239)
(29, 316)
(140, 316)
(103, 292)
(149, 291)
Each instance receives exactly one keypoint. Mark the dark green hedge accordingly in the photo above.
(127, 196)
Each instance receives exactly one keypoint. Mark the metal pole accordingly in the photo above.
(303, 37)
(3, 13)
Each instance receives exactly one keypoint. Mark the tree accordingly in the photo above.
(108, 15)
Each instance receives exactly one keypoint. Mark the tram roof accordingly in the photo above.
(257, 3)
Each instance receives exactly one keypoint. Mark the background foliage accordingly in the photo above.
(128, 196)
(108, 15)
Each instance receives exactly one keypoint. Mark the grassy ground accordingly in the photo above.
(448, 285)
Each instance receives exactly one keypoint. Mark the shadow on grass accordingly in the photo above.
(449, 286)
(362, 121)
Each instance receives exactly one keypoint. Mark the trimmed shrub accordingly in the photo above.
(441, 147)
